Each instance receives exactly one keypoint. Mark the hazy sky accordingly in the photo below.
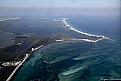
(111, 4)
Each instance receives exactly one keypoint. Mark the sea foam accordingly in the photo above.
(100, 37)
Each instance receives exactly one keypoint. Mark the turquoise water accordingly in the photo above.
(47, 63)
(78, 60)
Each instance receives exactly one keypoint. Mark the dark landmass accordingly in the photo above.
(8, 53)
(5, 72)
(13, 53)
(15, 45)
(21, 37)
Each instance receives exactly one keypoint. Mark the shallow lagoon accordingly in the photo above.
(60, 63)
(74, 60)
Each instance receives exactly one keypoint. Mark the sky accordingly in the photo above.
(84, 4)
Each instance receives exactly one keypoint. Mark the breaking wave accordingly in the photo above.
(99, 37)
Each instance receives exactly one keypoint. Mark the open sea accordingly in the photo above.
(76, 60)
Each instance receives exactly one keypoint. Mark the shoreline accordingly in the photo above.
(35, 47)
(66, 25)
(23, 61)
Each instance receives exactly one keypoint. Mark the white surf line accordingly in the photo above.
(5, 19)
(71, 28)
(27, 55)
(57, 19)
(33, 49)
(9, 78)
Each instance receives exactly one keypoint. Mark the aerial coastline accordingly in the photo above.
(25, 43)
(28, 51)
(22, 62)
(60, 40)
(98, 37)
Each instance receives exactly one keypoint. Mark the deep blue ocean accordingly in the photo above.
(77, 60)
(107, 24)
